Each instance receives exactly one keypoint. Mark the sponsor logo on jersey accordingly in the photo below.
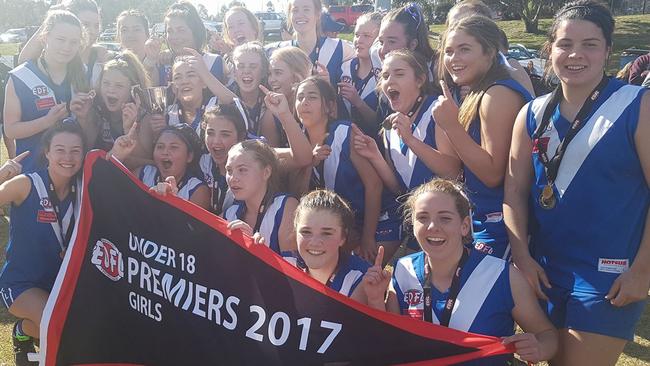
(46, 217)
(609, 265)
(494, 217)
(108, 259)
(41, 90)
(483, 248)
(376, 71)
(413, 297)
(45, 103)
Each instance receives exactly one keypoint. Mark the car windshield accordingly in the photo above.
(519, 53)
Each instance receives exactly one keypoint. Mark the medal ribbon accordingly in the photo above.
(418, 103)
(552, 165)
(220, 187)
(66, 232)
(454, 289)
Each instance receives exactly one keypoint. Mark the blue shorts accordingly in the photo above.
(11, 292)
(591, 313)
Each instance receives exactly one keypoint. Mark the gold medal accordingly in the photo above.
(547, 198)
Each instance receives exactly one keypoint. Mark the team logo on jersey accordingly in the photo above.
(483, 248)
(108, 259)
(494, 217)
(376, 71)
(413, 297)
(40, 90)
(45, 202)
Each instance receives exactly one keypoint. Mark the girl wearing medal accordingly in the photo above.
(38, 91)
(323, 226)
(588, 224)
(252, 174)
(175, 170)
(251, 69)
(337, 166)
(326, 54)
(43, 211)
(92, 55)
(111, 111)
(358, 82)
(480, 128)
(487, 294)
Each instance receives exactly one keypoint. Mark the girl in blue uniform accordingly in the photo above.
(415, 148)
(186, 35)
(92, 55)
(481, 127)
(323, 225)
(43, 209)
(175, 169)
(252, 174)
(251, 69)
(586, 214)
(38, 90)
(337, 166)
(326, 54)
(288, 66)
(358, 82)
(224, 127)
(451, 285)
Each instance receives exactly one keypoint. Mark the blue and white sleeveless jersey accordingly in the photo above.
(484, 303)
(174, 115)
(594, 231)
(216, 184)
(328, 51)
(270, 227)
(349, 273)
(37, 96)
(489, 229)
(150, 176)
(367, 87)
(213, 62)
(410, 170)
(35, 237)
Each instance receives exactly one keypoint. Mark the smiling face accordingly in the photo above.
(310, 106)
(392, 36)
(465, 59)
(240, 30)
(364, 36)
(187, 84)
(437, 225)
(245, 175)
(179, 34)
(115, 89)
(62, 43)
(248, 71)
(579, 53)
(319, 235)
(90, 23)
(220, 136)
(132, 33)
(400, 84)
(281, 78)
(171, 155)
(65, 154)
(304, 16)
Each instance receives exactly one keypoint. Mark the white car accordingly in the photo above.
(525, 56)
(270, 22)
(16, 35)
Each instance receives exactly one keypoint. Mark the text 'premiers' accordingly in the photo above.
(204, 302)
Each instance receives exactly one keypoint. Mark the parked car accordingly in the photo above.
(108, 35)
(213, 26)
(631, 54)
(525, 55)
(111, 46)
(271, 22)
(158, 29)
(348, 15)
(15, 35)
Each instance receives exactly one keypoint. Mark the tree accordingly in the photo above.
(203, 11)
(530, 10)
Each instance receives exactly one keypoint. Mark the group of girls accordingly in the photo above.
(455, 129)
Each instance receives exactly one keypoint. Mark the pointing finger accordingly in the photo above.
(379, 259)
(445, 90)
(20, 157)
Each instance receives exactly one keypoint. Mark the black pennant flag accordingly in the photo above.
(151, 280)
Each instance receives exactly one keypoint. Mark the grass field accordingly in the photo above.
(631, 31)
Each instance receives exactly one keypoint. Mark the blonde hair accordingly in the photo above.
(318, 8)
(297, 60)
(487, 34)
(129, 65)
(251, 19)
